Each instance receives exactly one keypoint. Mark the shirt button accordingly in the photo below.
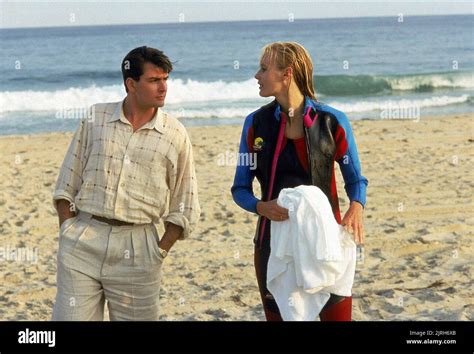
(122, 184)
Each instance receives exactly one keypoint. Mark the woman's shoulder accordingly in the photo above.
(339, 115)
(268, 108)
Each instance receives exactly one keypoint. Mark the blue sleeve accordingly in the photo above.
(242, 190)
(355, 183)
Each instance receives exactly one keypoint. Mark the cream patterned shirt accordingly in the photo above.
(138, 177)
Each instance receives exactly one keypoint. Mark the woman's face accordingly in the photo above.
(271, 81)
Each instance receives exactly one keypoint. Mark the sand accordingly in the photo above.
(419, 220)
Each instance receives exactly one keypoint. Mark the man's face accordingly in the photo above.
(150, 90)
(270, 79)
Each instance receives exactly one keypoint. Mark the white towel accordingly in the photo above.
(311, 255)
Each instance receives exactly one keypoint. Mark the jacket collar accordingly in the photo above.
(310, 106)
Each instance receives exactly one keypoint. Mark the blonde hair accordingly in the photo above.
(292, 55)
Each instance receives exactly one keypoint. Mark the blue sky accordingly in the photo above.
(83, 13)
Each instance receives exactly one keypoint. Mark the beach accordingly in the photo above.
(419, 222)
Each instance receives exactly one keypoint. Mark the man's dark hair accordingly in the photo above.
(132, 64)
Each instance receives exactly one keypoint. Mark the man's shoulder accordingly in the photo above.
(175, 130)
(104, 109)
(173, 124)
(95, 115)
(98, 113)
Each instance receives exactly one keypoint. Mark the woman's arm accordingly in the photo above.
(242, 190)
(355, 183)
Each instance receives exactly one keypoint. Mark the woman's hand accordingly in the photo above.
(353, 222)
(272, 210)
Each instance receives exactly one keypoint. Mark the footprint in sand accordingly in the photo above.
(433, 261)
(385, 293)
(449, 290)
(238, 301)
(392, 309)
(218, 314)
(422, 232)
(428, 295)
(376, 252)
(219, 215)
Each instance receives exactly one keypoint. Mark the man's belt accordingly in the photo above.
(112, 222)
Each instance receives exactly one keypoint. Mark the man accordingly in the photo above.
(125, 169)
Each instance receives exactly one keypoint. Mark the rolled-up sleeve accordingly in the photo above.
(184, 209)
(70, 175)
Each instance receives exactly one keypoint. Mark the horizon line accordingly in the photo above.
(232, 21)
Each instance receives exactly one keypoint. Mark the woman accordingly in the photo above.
(296, 140)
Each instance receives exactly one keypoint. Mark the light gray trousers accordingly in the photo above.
(98, 262)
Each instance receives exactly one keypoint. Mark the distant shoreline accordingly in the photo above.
(329, 19)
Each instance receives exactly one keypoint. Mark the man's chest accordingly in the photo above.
(138, 154)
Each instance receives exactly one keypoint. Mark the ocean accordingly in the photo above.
(369, 68)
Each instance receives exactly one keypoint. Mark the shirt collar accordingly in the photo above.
(157, 122)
